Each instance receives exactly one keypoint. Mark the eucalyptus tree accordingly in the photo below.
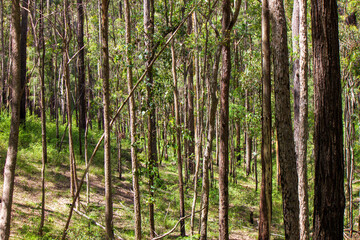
(285, 134)
(329, 200)
(228, 23)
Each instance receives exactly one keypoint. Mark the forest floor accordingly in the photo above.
(244, 200)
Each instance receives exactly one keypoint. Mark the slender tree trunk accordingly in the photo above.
(285, 134)
(66, 76)
(329, 200)
(3, 53)
(212, 87)
(227, 24)
(134, 161)
(23, 40)
(105, 72)
(301, 143)
(41, 53)
(152, 151)
(248, 137)
(81, 71)
(295, 24)
(10, 162)
(266, 161)
(178, 141)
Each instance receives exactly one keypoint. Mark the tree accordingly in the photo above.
(227, 25)
(285, 134)
(149, 12)
(81, 70)
(329, 199)
(134, 161)
(178, 141)
(106, 101)
(301, 143)
(23, 40)
(10, 162)
(266, 161)
(41, 55)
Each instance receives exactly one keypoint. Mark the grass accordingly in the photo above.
(244, 200)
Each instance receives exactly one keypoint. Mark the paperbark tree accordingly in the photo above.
(285, 134)
(10, 162)
(329, 200)
(134, 161)
(266, 161)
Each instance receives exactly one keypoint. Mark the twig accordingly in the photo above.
(173, 229)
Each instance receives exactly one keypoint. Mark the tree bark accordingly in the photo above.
(10, 162)
(134, 161)
(285, 134)
(266, 161)
(329, 200)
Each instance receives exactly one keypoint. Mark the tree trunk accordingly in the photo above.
(66, 76)
(23, 40)
(3, 53)
(227, 24)
(134, 161)
(329, 200)
(178, 142)
(41, 54)
(266, 161)
(152, 151)
(212, 87)
(105, 72)
(301, 143)
(285, 134)
(10, 163)
(81, 71)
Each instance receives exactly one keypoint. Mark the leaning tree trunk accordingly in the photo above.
(266, 161)
(285, 134)
(106, 99)
(10, 163)
(134, 161)
(329, 200)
